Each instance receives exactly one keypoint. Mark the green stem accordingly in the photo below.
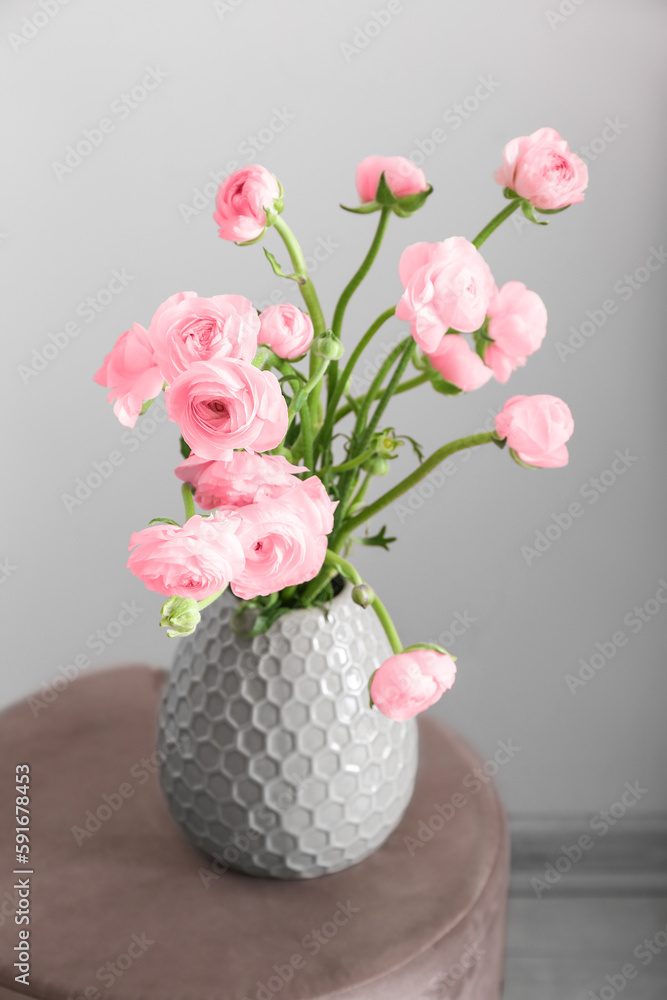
(351, 288)
(361, 492)
(496, 221)
(309, 297)
(318, 583)
(411, 383)
(333, 397)
(347, 570)
(298, 262)
(188, 500)
(304, 392)
(307, 436)
(209, 600)
(365, 267)
(390, 390)
(387, 624)
(377, 383)
(410, 481)
(361, 436)
(352, 463)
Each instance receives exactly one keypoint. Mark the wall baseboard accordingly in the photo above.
(627, 859)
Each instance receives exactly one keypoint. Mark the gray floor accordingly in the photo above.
(606, 913)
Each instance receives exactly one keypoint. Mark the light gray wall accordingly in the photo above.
(226, 71)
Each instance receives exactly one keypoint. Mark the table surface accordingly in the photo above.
(126, 908)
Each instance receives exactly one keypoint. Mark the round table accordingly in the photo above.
(120, 906)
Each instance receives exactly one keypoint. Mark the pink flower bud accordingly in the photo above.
(408, 683)
(542, 169)
(536, 428)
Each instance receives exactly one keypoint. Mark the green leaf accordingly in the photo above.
(416, 447)
(365, 209)
(520, 461)
(380, 540)
(163, 520)
(249, 243)
(185, 448)
(428, 645)
(508, 193)
(411, 203)
(370, 697)
(529, 212)
(277, 269)
(146, 405)
(552, 211)
(443, 386)
(482, 339)
(384, 195)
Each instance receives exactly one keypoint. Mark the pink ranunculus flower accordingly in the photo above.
(131, 372)
(225, 404)
(239, 480)
(195, 561)
(402, 176)
(447, 285)
(459, 364)
(187, 328)
(542, 169)
(286, 330)
(310, 493)
(282, 541)
(517, 326)
(536, 428)
(410, 682)
(242, 202)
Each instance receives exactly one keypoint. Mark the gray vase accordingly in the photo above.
(272, 760)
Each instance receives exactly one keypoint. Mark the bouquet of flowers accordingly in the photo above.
(258, 397)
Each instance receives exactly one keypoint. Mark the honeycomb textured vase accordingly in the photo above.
(272, 761)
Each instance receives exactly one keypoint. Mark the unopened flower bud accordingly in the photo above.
(327, 346)
(385, 443)
(180, 616)
(377, 465)
(363, 595)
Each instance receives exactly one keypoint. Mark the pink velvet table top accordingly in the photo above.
(126, 909)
